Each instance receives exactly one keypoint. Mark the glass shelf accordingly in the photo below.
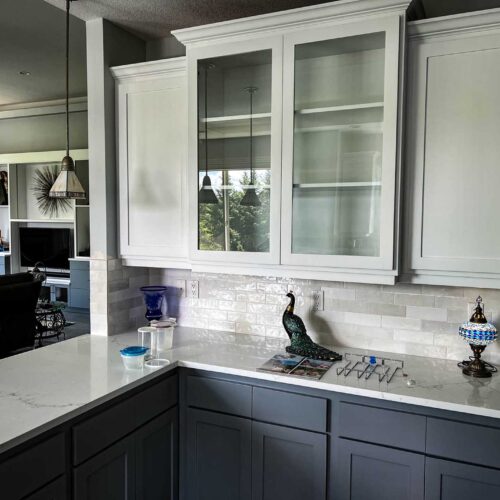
(227, 127)
(343, 107)
(323, 185)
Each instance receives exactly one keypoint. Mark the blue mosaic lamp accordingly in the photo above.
(478, 333)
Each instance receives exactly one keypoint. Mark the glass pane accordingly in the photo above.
(234, 153)
(337, 169)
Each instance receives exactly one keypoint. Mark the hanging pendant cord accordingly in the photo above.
(67, 77)
(206, 117)
(251, 133)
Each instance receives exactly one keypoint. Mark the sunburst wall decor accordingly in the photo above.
(43, 180)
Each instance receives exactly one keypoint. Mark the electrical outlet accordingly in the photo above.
(193, 289)
(318, 300)
(181, 284)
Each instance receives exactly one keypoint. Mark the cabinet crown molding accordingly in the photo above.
(150, 69)
(461, 23)
(339, 12)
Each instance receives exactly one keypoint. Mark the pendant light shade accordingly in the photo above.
(250, 198)
(67, 184)
(207, 194)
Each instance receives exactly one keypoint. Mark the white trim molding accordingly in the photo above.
(277, 22)
(55, 107)
(461, 24)
(150, 69)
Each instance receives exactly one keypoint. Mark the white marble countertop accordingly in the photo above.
(43, 388)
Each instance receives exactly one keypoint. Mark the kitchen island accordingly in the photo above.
(66, 389)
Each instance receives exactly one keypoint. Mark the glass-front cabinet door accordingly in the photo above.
(238, 152)
(340, 145)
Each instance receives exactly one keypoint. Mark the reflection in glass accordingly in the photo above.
(337, 171)
(235, 152)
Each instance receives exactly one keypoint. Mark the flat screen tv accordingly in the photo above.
(50, 246)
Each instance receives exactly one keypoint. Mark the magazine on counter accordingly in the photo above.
(300, 366)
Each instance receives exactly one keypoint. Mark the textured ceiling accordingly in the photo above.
(152, 19)
(32, 39)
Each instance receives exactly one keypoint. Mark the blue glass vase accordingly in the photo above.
(153, 298)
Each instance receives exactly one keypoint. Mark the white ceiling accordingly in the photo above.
(32, 37)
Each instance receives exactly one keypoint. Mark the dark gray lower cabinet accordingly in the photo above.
(56, 490)
(218, 456)
(368, 472)
(287, 463)
(110, 475)
(142, 466)
(156, 458)
(446, 480)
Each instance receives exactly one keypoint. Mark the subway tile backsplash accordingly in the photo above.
(404, 318)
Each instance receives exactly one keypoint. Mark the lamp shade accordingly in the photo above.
(250, 199)
(67, 184)
(207, 195)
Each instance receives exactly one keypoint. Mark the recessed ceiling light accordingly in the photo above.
(24, 73)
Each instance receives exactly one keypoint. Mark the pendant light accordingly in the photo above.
(67, 184)
(207, 195)
(250, 198)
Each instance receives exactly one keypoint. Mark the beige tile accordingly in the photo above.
(414, 337)
(409, 299)
(401, 323)
(363, 319)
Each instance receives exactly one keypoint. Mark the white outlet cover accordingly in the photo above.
(193, 290)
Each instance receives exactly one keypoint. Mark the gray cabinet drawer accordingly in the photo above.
(379, 426)
(469, 442)
(100, 431)
(290, 409)
(219, 395)
(30, 470)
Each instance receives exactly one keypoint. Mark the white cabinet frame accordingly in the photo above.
(153, 78)
(194, 54)
(390, 167)
(455, 35)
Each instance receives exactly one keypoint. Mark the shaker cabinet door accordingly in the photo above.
(340, 140)
(446, 480)
(218, 456)
(152, 150)
(368, 472)
(287, 463)
(110, 475)
(452, 173)
(157, 458)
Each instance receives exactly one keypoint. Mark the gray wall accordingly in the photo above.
(164, 48)
(42, 133)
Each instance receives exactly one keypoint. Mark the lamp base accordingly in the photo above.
(475, 366)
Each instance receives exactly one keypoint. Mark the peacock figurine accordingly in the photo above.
(300, 343)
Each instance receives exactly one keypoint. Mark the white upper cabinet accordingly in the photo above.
(294, 141)
(453, 151)
(340, 130)
(152, 156)
(235, 151)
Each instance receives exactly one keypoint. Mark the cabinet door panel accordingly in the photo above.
(367, 472)
(287, 463)
(157, 458)
(218, 456)
(107, 476)
(446, 480)
(56, 490)
(453, 147)
(235, 151)
(340, 138)
(152, 140)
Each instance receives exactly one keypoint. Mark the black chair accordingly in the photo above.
(18, 298)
